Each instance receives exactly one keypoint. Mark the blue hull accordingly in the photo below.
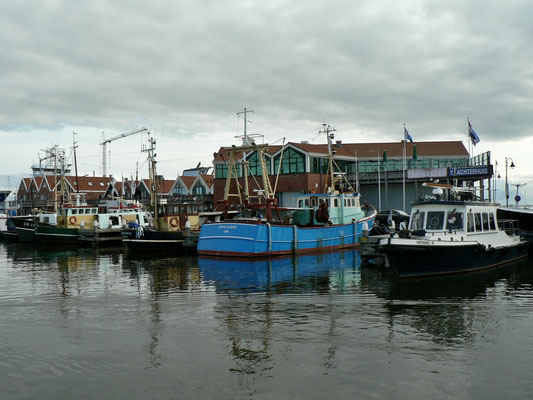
(237, 239)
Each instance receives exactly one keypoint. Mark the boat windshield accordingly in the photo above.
(435, 220)
(417, 221)
(454, 220)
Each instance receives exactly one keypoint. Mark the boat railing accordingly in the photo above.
(509, 226)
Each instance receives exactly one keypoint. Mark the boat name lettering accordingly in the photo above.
(422, 241)
(227, 227)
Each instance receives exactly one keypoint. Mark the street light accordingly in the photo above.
(507, 159)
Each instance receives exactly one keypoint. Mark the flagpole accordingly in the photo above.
(379, 184)
(404, 140)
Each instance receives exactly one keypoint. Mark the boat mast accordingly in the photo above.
(74, 147)
(329, 135)
(152, 165)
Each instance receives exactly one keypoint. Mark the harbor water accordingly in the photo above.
(105, 324)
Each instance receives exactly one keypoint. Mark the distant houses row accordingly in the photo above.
(39, 192)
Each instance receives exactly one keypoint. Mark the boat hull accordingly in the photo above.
(25, 227)
(56, 235)
(418, 260)
(235, 239)
(148, 240)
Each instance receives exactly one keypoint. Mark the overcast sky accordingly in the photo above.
(184, 69)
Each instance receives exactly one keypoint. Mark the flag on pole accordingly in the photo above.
(406, 135)
(473, 135)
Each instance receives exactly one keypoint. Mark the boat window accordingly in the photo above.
(485, 221)
(492, 224)
(477, 218)
(307, 202)
(470, 222)
(74, 211)
(454, 220)
(417, 222)
(435, 220)
(95, 211)
(300, 203)
(327, 202)
(313, 202)
(335, 202)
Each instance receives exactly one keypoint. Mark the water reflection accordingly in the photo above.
(301, 274)
(448, 308)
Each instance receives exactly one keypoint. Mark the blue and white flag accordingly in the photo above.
(473, 135)
(406, 135)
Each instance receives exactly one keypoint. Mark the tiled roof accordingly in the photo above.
(395, 149)
(188, 180)
(369, 150)
(165, 185)
(89, 183)
(208, 179)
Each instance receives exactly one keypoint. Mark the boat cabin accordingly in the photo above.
(322, 209)
(454, 216)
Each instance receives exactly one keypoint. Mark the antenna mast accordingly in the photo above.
(245, 138)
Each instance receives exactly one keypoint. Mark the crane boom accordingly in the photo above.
(106, 141)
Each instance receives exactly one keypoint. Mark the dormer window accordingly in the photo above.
(90, 183)
(102, 184)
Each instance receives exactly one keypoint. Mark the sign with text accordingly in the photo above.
(469, 171)
(427, 173)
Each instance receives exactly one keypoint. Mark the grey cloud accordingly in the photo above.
(188, 66)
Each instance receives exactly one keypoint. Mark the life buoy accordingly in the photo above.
(173, 221)
(73, 220)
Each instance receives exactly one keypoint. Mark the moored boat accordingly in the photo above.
(325, 221)
(451, 234)
(92, 224)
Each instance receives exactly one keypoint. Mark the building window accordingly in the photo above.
(199, 189)
(179, 190)
(221, 171)
(90, 183)
(254, 166)
(102, 184)
(319, 165)
(293, 162)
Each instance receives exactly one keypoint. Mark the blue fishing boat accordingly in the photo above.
(258, 227)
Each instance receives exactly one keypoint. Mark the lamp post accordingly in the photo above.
(507, 159)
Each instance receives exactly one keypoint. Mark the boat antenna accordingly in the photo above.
(245, 138)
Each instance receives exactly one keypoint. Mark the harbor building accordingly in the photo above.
(376, 170)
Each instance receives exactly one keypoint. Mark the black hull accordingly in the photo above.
(25, 227)
(153, 241)
(10, 236)
(411, 261)
(100, 238)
